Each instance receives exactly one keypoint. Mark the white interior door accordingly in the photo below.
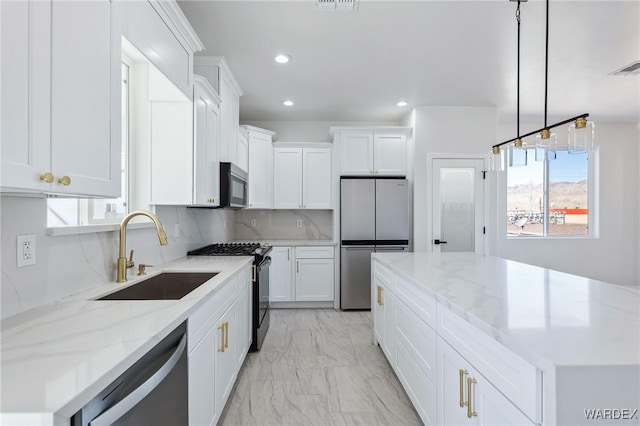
(458, 193)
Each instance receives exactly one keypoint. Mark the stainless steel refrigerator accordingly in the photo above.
(374, 217)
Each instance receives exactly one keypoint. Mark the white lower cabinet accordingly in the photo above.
(219, 337)
(280, 275)
(302, 274)
(465, 397)
(443, 385)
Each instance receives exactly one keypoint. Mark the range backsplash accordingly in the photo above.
(282, 225)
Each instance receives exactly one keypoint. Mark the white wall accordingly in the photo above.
(69, 264)
(310, 131)
(615, 255)
(445, 130)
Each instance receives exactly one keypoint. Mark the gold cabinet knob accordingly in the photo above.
(47, 177)
(64, 180)
(213, 200)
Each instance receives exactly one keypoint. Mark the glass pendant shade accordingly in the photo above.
(496, 160)
(541, 153)
(581, 136)
(518, 154)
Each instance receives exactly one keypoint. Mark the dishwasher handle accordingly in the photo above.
(114, 413)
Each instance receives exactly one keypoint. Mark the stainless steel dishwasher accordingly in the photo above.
(154, 391)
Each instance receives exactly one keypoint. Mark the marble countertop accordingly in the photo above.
(550, 318)
(57, 357)
(292, 243)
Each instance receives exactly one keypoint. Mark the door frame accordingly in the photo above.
(485, 205)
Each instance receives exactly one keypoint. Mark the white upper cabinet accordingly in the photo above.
(316, 178)
(242, 149)
(302, 178)
(216, 70)
(163, 34)
(206, 134)
(287, 178)
(356, 153)
(372, 152)
(62, 111)
(389, 154)
(260, 168)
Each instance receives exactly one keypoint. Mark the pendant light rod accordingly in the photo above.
(569, 120)
(546, 65)
(518, 78)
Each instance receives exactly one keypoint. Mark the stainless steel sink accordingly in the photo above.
(165, 286)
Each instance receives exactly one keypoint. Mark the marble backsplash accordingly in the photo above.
(282, 225)
(68, 264)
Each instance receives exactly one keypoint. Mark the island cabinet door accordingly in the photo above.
(465, 397)
(225, 357)
(378, 310)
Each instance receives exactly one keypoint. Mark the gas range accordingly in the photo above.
(260, 281)
(257, 250)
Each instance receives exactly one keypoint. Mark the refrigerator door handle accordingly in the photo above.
(358, 248)
(383, 248)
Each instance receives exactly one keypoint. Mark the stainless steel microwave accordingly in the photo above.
(233, 186)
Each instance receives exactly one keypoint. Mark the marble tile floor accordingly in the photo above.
(318, 367)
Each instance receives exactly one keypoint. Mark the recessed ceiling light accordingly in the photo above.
(287, 103)
(282, 58)
(402, 103)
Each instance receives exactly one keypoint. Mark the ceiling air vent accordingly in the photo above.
(631, 69)
(351, 5)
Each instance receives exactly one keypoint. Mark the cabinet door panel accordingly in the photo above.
(378, 310)
(225, 359)
(420, 390)
(240, 329)
(390, 155)
(202, 407)
(451, 391)
(356, 153)
(316, 168)
(287, 178)
(212, 167)
(314, 280)
(280, 276)
(242, 153)
(85, 97)
(260, 172)
(200, 110)
(25, 87)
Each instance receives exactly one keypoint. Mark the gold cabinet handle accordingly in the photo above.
(221, 328)
(297, 267)
(226, 334)
(378, 288)
(65, 180)
(462, 374)
(470, 412)
(288, 254)
(47, 177)
(253, 274)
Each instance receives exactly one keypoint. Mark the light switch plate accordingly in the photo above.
(26, 250)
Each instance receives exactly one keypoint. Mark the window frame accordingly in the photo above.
(592, 200)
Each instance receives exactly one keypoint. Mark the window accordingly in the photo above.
(549, 198)
(63, 212)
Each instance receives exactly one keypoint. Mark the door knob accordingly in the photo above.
(436, 242)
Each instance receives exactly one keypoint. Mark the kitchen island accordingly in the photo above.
(497, 340)
(57, 357)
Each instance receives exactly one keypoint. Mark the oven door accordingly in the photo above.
(263, 288)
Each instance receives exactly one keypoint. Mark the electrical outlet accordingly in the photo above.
(299, 223)
(176, 230)
(26, 250)
(253, 223)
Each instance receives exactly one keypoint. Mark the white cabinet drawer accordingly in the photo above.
(418, 339)
(208, 313)
(383, 274)
(420, 390)
(516, 378)
(321, 252)
(416, 299)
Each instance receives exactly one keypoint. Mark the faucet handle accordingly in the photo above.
(130, 263)
(141, 268)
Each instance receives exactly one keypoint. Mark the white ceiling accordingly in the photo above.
(355, 66)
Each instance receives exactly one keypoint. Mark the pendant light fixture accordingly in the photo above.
(581, 131)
